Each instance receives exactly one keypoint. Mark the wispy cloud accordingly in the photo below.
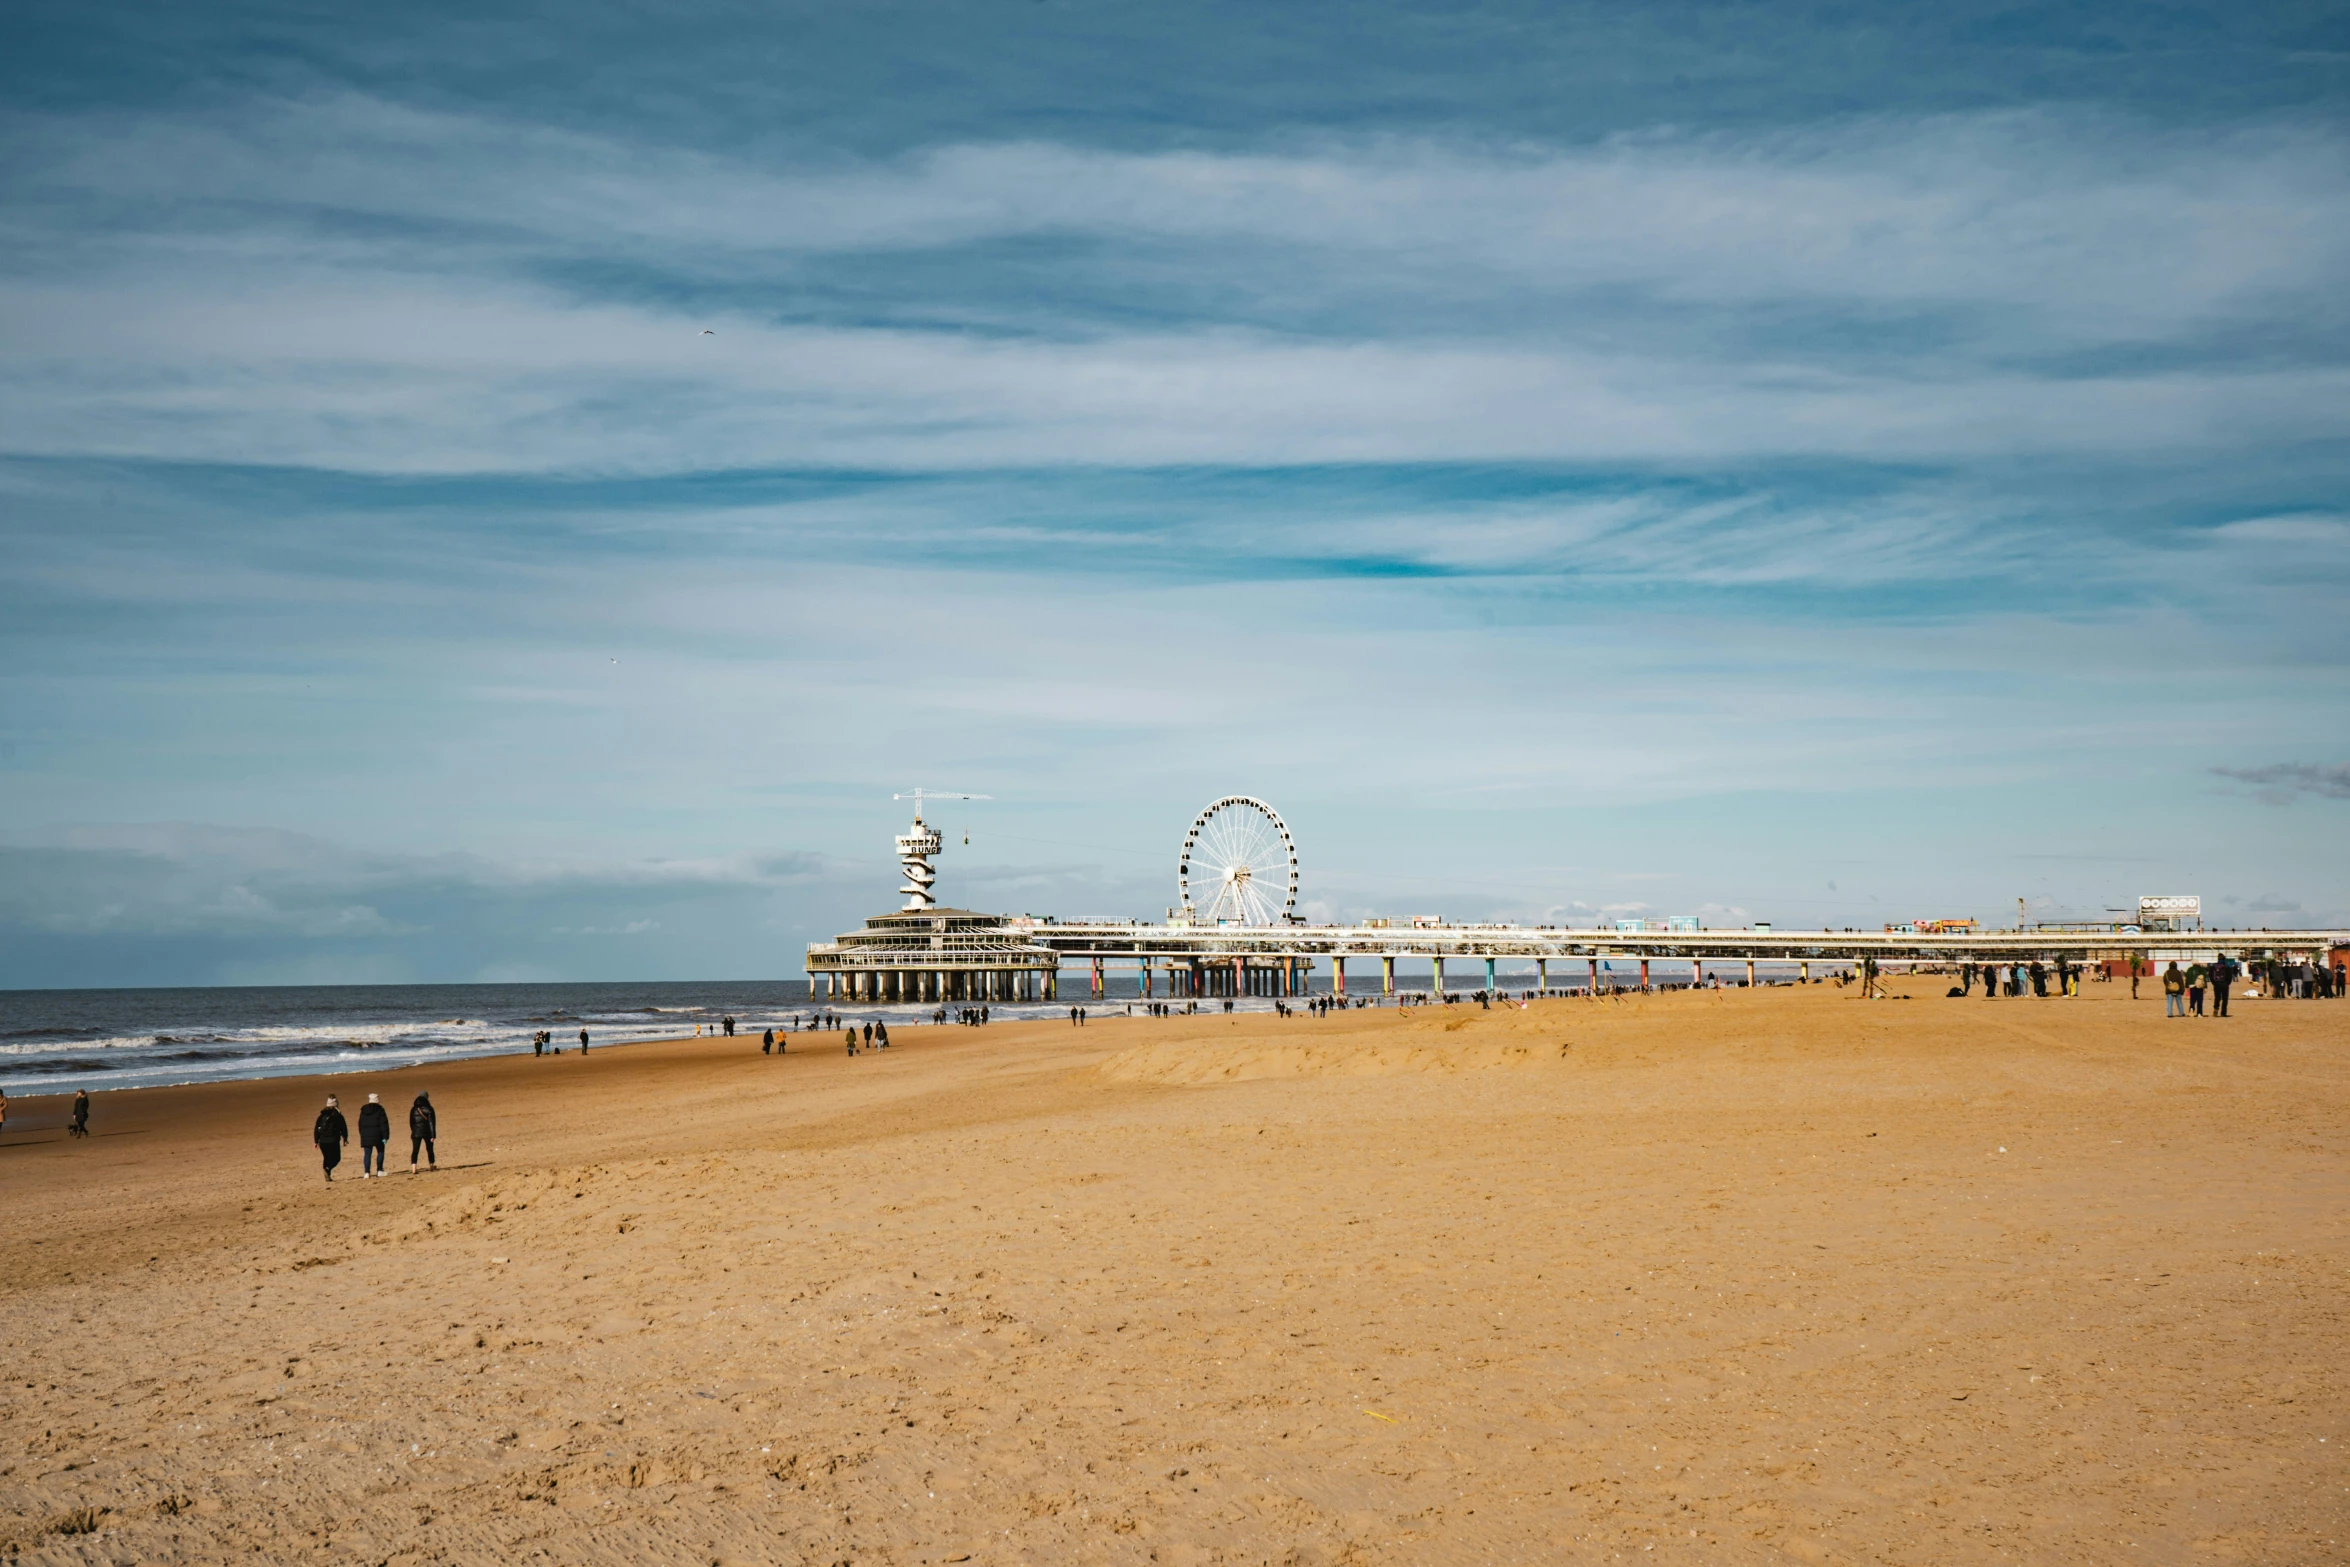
(2282, 780)
(189, 879)
(344, 282)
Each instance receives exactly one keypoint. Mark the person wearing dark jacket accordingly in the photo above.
(80, 1126)
(2222, 976)
(375, 1130)
(330, 1131)
(423, 1127)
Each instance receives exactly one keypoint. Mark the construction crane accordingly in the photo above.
(915, 848)
(919, 795)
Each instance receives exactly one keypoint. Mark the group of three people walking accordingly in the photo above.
(330, 1132)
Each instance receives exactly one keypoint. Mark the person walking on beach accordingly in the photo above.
(881, 1036)
(423, 1126)
(767, 1042)
(80, 1126)
(2223, 975)
(330, 1131)
(2174, 991)
(375, 1130)
(852, 1039)
(583, 1041)
(869, 1036)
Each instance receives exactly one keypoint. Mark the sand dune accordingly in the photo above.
(1746, 1277)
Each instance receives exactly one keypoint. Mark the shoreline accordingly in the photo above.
(199, 1095)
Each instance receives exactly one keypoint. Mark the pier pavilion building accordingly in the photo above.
(923, 953)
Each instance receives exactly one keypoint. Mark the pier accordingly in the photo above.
(924, 953)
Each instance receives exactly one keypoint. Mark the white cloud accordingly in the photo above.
(226, 882)
(2324, 531)
(1878, 289)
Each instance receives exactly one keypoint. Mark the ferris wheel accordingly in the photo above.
(1240, 854)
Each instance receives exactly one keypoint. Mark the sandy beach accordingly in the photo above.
(1741, 1276)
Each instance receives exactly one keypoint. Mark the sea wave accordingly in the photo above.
(200, 1036)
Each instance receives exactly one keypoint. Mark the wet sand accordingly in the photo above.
(1783, 1275)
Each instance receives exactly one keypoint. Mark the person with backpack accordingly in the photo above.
(2174, 991)
(424, 1124)
(375, 1130)
(330, 1131)
(2222, 976)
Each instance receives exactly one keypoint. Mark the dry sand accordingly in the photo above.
(1715, 1277)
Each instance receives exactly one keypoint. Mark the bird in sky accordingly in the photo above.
(706, 332)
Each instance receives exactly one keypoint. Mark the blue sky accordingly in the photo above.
(510, 492)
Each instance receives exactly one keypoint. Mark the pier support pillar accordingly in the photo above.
(1644, 974)
(1807, 971)
(1436, 973)
(1489, 977)
(1337, 976)
(1097, 979)
(1542, 976)
(1240, 976)
(1594, 962)
(1750, 973)
(1387, 976)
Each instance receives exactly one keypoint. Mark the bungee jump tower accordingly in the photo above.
(921, 953)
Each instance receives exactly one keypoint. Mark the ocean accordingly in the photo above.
(55, 1041)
